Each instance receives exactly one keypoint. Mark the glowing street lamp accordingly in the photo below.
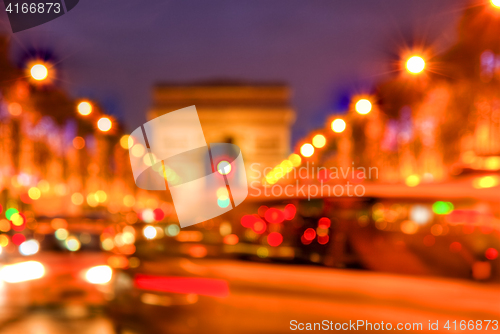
(416, 64)
(338, 125)
(319, 141)
(363, 106)
(39, 72)
(84, 108)
(307, 150)
(104, 124)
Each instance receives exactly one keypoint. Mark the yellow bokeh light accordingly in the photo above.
(149, 159)
(138, 150)
(44, 186)
(104, 124)
(307, 150)
(222, 193)
(319, 141)
(84, 108)
(412, 180)
(17, 219)
(91, 200)
(295, 159)
(126, 141)
(495, 3)
(72, 244)
(77, 199)
(34, 193)
(39, 72)
(363, 106)
(101, 196)
(415, 64)
(129, 201)
(338, 125)
(486, 182)
(4, 240)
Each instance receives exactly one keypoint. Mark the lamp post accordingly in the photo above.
(39, 72)
(415, 64)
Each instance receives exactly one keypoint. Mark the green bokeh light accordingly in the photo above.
(442, 208)
(10, 212)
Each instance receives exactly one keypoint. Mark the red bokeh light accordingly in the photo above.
(247, 221)
(455, 247)
(274, 239)
(491, 253)
(323, 239)
(184, 285)
(309, 234)
(18, 239)
(274, 216)
(304, 240)
(262, 210)
(324, 222)
(158, 214)
(290, 211)
(259, 227)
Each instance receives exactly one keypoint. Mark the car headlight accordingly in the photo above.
(99, 275)
(23, 271)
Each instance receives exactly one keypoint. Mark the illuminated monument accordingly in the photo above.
(256, 118)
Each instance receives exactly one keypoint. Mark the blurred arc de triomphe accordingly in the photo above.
(255, 117)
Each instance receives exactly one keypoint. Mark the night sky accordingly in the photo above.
(114, 51)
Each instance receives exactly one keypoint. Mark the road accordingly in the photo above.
(53, 322)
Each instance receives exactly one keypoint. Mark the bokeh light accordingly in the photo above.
(78, 143)
(224, 167)
(34, 193)
(307, 150)
(39, 72)
(412, 181)
(29, 247)
(319, 141)
(363, 106)
(84, 108)
(415, 64)
(72, 244)
(274, 239)
(104, 124)
(338, 125)
(126, 142)
(149, 232)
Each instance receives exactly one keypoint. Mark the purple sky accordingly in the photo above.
(114, 51)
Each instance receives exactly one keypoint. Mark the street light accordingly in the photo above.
(363, 106)
(319, 141)
(104, 124)
(39, 72)
(338, 125)
(307, 150)
(416, 64)
(84, 108)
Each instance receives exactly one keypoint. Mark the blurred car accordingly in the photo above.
(63, 270)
